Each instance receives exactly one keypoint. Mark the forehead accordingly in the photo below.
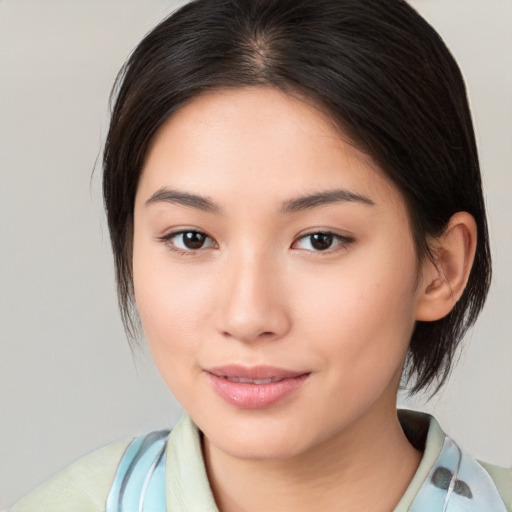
(258, 140)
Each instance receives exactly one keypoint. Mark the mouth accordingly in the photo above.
(255, 387)
(244, 380)
(239, 373)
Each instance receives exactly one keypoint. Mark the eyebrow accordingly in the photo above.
(324, 198)
(172, 196)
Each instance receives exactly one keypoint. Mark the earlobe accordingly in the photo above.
(444, 280)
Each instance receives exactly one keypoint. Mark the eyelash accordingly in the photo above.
(168, 241)
(342, 241)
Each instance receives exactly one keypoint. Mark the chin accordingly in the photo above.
(260, 438)
(261, 448)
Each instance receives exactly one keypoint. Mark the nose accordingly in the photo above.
(252, 301)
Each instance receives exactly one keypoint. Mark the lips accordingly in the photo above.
(254, 387)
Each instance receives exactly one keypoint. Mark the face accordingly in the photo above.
(274, 273)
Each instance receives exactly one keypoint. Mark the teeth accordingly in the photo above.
(263, 381)
(243, 380)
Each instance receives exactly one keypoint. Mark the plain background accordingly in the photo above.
(68, 381)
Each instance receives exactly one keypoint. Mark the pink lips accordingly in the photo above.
(254, 387)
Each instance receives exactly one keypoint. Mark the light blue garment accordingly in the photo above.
(455, 483)
(139, 483)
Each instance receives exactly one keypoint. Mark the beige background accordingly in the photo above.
(68, 382)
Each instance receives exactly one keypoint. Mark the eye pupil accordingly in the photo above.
(193, 239)
(321, 241)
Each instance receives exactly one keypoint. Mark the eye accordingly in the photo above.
(321, 241)
(188, 241)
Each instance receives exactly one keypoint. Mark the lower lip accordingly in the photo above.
(255, 396)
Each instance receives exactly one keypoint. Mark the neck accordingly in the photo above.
(366, 467)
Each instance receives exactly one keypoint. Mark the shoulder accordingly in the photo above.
(82, 487)
(447, 474)
(502, 478)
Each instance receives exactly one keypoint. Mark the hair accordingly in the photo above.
(378, 69)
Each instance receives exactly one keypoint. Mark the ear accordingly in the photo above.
(443, 281)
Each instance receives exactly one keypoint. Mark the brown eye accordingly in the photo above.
(193, 239)
(321, 241)
(188, 241)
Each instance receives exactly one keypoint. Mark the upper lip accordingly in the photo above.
(254, 372)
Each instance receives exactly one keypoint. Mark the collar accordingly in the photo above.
(446, 479)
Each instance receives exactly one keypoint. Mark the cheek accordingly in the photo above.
(362, 317)
(174, 305)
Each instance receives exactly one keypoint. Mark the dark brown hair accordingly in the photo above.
(376, 67)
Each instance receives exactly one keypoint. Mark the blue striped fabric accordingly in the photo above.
(457, 483)
(139, 483)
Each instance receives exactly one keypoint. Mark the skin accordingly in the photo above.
(257, 292)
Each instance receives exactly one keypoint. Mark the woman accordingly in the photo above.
(296, 214)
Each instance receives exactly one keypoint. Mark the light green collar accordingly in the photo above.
(446, 480)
